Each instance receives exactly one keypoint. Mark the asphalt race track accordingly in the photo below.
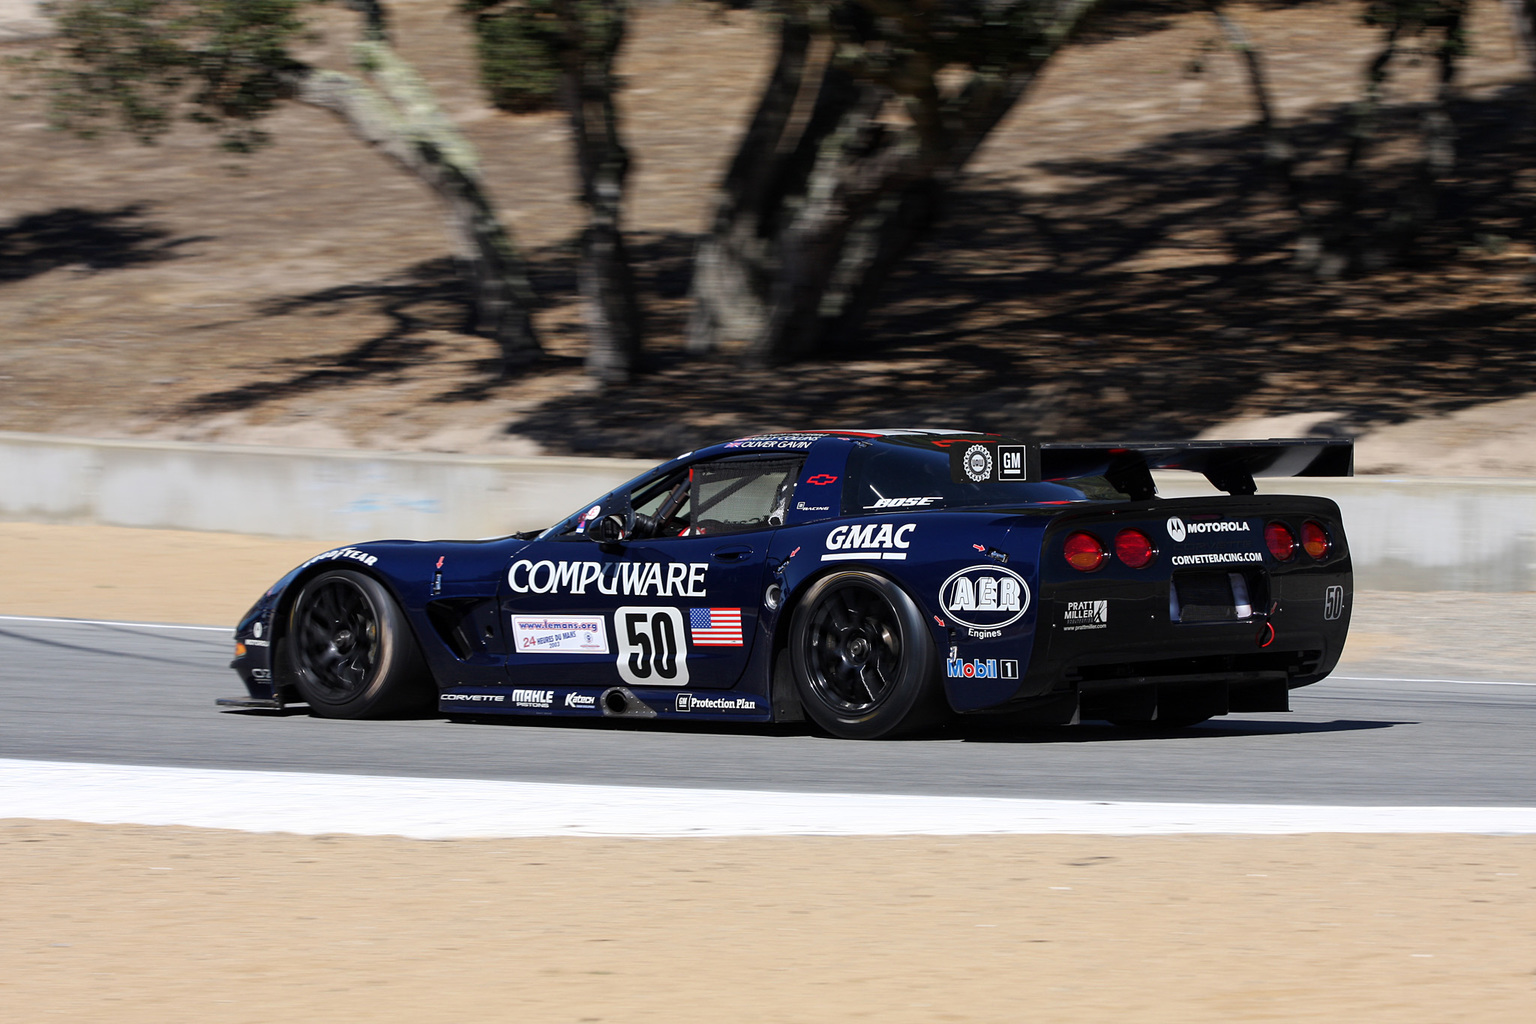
(126, 694)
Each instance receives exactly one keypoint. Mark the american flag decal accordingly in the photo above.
(715, 627)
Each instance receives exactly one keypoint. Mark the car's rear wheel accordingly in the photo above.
(351, 651)
(863, 660)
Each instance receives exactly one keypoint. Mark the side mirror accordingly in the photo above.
(608, 531)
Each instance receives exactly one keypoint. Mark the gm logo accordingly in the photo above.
(1010, 462)
(1333, 603)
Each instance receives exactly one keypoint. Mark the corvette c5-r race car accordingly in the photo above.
(874, 582)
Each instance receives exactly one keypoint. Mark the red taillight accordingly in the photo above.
(1314, 539)
(1281, 542)
(1084, 552)
(1134, 548)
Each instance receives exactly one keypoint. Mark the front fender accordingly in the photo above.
(262, 629)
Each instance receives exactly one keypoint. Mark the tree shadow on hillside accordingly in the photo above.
(87, 240)
(1156, 298)
(421, 298)
(427, 298)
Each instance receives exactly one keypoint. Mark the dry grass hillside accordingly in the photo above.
(1114, 264)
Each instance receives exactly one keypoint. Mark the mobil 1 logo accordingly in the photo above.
(653, 648)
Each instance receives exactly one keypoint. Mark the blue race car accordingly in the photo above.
(875, 582)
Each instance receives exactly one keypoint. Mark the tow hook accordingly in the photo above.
(1267, 630)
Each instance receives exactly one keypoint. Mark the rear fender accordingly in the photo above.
(988, 545)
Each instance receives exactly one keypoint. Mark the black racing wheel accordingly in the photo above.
(862, 657)
(351, 653)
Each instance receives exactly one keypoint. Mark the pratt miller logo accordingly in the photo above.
(1087, 615)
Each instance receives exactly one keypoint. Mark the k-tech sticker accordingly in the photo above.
(653, 646)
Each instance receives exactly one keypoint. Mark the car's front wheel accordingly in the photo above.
(351, 652)
(863, 661)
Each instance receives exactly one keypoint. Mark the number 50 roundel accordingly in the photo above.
(653, 646)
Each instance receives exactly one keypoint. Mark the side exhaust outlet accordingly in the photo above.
(619, 702)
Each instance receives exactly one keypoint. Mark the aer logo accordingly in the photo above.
(984, 597)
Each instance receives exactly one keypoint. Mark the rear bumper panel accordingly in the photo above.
(1121, 640)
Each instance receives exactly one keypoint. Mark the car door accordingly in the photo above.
(673, 602)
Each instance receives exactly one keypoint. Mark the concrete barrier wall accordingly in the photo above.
(292, 492)
(1406, 534)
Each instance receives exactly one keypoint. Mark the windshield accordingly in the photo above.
(721, 496)
(886, 476)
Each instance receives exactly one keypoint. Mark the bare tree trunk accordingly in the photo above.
(734, 265)
(1339, 241)
(396, 114)
(610, 306)
(1522, 21)
(824, 198)
(886, 232)
(1335, 241)
(1279, 150)
(1438, 139)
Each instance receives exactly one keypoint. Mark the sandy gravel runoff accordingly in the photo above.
(135, 924)
(168, 925)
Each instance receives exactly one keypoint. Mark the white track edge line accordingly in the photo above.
(427, 808)
(109, 622)
(1453, 682)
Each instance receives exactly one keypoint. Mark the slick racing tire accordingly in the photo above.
(350, 650)
(863, 661)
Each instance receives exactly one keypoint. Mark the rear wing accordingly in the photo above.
(1229, 465)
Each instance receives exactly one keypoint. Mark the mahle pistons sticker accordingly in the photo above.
(984, 598)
